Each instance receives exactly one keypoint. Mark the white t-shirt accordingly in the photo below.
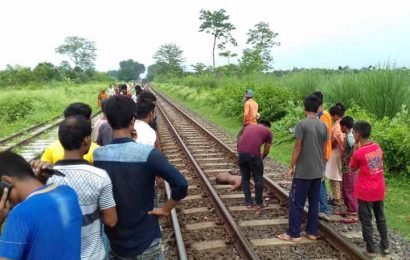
(111, 92)
(145, 134)
(94, 190)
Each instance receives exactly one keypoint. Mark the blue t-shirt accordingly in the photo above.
(47, 225)
(132, 168)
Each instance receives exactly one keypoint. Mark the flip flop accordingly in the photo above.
(309, 236)
(286, 237)
(348, 220)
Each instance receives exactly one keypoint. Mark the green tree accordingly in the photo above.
(170, 58)
(228, 55)
(252, 61)
(81, 52)
(216, 23)
(130, 70)
(160, 71)
(45, 71)
(199, 68)
(261, 38)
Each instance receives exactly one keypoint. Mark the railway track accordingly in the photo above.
(31, 142)
(213, 221)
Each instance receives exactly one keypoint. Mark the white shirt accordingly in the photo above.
(94, 189)
(145, 134)
(111, 92)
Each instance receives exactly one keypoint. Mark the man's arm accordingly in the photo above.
(266, 149)
(107, 204)
(159, 165)
(295, 156)
(109, 217)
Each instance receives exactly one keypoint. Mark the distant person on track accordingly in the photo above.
(111, 91)
(370, 187)
(349, 177)
(102, 96)
(145, 117)
(132, 168)
(93, 185)
(250, 159)
(306, 168)
(325, 117)
(99, 122)
(45, 222)
(234, 180)
(55, 151)
(250, 109)
(334, 165)
(138, 91)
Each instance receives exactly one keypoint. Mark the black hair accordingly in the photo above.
(363, 128)
(311, 103)
(144, 107)
(72, 132)
(13, 165)
(265, 122)
(147, 95)
(138, 89)
(120, 110)
(319, 95)
(347, 121)
(78, 108)
(337, 110)
(124, 87)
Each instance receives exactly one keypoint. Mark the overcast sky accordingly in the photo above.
(312, 33)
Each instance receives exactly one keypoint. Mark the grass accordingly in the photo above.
(398, 189)
(25, 106)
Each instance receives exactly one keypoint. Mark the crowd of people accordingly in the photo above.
(92, 194)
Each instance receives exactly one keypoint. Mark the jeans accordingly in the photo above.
(323, 198)
(302, 188)
(365, 216)
(250, 164)
(153, 252)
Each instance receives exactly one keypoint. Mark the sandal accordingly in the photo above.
(286, 237)
(348, 220)
(309, 236)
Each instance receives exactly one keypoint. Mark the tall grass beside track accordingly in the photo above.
(21, 107)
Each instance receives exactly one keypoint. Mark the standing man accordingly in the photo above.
(93, 185)
(132, 168)
(325, 117)
(307, 166)
(250, 109)
(251, 160)
(45, 222)
(110, 91)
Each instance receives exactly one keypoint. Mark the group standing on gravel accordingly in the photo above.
(82, 183)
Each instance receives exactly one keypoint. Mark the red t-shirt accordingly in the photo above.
(252, 138)
(370, 184)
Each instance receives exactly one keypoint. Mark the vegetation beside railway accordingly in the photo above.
(21, 107)
(219, 100)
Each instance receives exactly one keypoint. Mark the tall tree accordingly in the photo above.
(170, 56)
(130, 70)
(216, 23)
(261, 38)
(81, 52)
(199, 68)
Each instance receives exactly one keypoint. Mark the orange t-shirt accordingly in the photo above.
(101, 97)
(249, 112)
(327, 120)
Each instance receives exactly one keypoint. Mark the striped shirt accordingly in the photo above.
(94, 190)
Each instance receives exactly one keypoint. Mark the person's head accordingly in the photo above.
(138, 89)
(102, 91)
(311, 104)
(15, 171)
(361, 130)
(145, 110)
(147, 95)
(120, 112)
(248, 93)
(337, 111)
(74, 134)
(346, 124)
(78, 109)
(265, 122)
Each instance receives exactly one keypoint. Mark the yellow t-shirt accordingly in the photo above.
(55, 152)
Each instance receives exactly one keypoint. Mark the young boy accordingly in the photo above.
(370, 187)
(348, 177)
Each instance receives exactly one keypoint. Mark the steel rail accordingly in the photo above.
(332, 237)
(242, 245)
(26, 140)
(8, 138)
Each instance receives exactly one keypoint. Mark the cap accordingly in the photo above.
(249, 93)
